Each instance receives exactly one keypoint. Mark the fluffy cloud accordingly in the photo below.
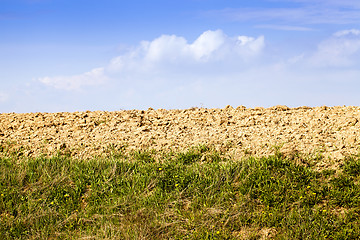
(168, 56)
(355, 32)
(93, 77)
(341, 50)
(210, 46)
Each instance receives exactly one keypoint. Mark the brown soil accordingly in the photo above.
(330, 131)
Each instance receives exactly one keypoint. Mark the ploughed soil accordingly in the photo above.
(331, 132)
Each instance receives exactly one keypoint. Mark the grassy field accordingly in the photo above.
(198, 194)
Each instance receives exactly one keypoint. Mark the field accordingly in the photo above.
(50, 188)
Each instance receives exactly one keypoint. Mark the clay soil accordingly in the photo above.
(331, 132)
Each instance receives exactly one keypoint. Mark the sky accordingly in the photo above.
(110, 55)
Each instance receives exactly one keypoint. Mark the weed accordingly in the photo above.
(197, 194)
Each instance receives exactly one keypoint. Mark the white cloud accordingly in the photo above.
(166, 47)
(172, 58)
(341, 50)
(168, 56)
(250, 46)
(207, 44)
(355, 32)
(208, 47)
(94, 77)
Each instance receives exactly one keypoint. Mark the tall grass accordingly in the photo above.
(198, 194)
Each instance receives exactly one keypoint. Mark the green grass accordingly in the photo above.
(198, 194)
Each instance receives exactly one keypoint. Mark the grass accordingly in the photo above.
(198, 194)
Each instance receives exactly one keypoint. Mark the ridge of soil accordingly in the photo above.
(330, 131)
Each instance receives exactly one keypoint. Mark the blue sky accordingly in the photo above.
(62, 55)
